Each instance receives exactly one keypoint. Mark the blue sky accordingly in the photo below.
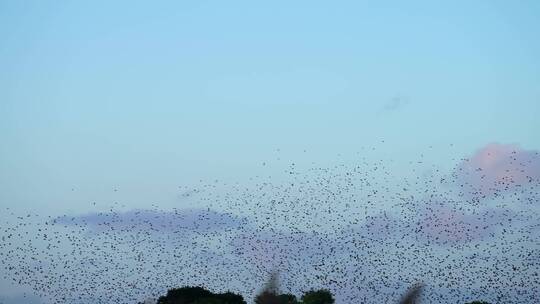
(125, 101)
(104, 91)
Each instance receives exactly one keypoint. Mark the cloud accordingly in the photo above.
(445, 225)
(382, 226)
(18, 299)
(371, 260)
(274, 249)
(497, 169)
(440, 222)
(185, 220)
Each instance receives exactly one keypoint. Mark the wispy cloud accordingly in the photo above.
(18, 299)
(185, 220)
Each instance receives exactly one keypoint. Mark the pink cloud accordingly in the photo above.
(498, 168)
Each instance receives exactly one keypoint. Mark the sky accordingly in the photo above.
(132, 103)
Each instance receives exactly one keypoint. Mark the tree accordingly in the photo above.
(267, 297)
(209, 300)
(321, 296)
(199, 295)
(184, 295)
(287, 298)
(230, 298)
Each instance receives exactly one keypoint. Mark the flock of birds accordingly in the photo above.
(360, 231)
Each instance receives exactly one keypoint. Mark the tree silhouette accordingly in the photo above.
(271, 293)
(287, 299)
(321, 296)
(229, 298)
(199, 295)
(267, 297)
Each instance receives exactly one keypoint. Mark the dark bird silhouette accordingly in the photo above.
(413, 295)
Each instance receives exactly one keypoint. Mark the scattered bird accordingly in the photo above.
(359, 230)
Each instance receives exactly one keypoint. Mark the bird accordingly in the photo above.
(357, 228)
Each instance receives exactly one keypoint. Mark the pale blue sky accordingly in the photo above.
(125, 101)
(147, 96)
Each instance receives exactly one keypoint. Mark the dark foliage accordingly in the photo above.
(199, 295)
(287, 299)
(321, 296)
(267, 297)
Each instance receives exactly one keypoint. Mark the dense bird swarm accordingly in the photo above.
(364, 232)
